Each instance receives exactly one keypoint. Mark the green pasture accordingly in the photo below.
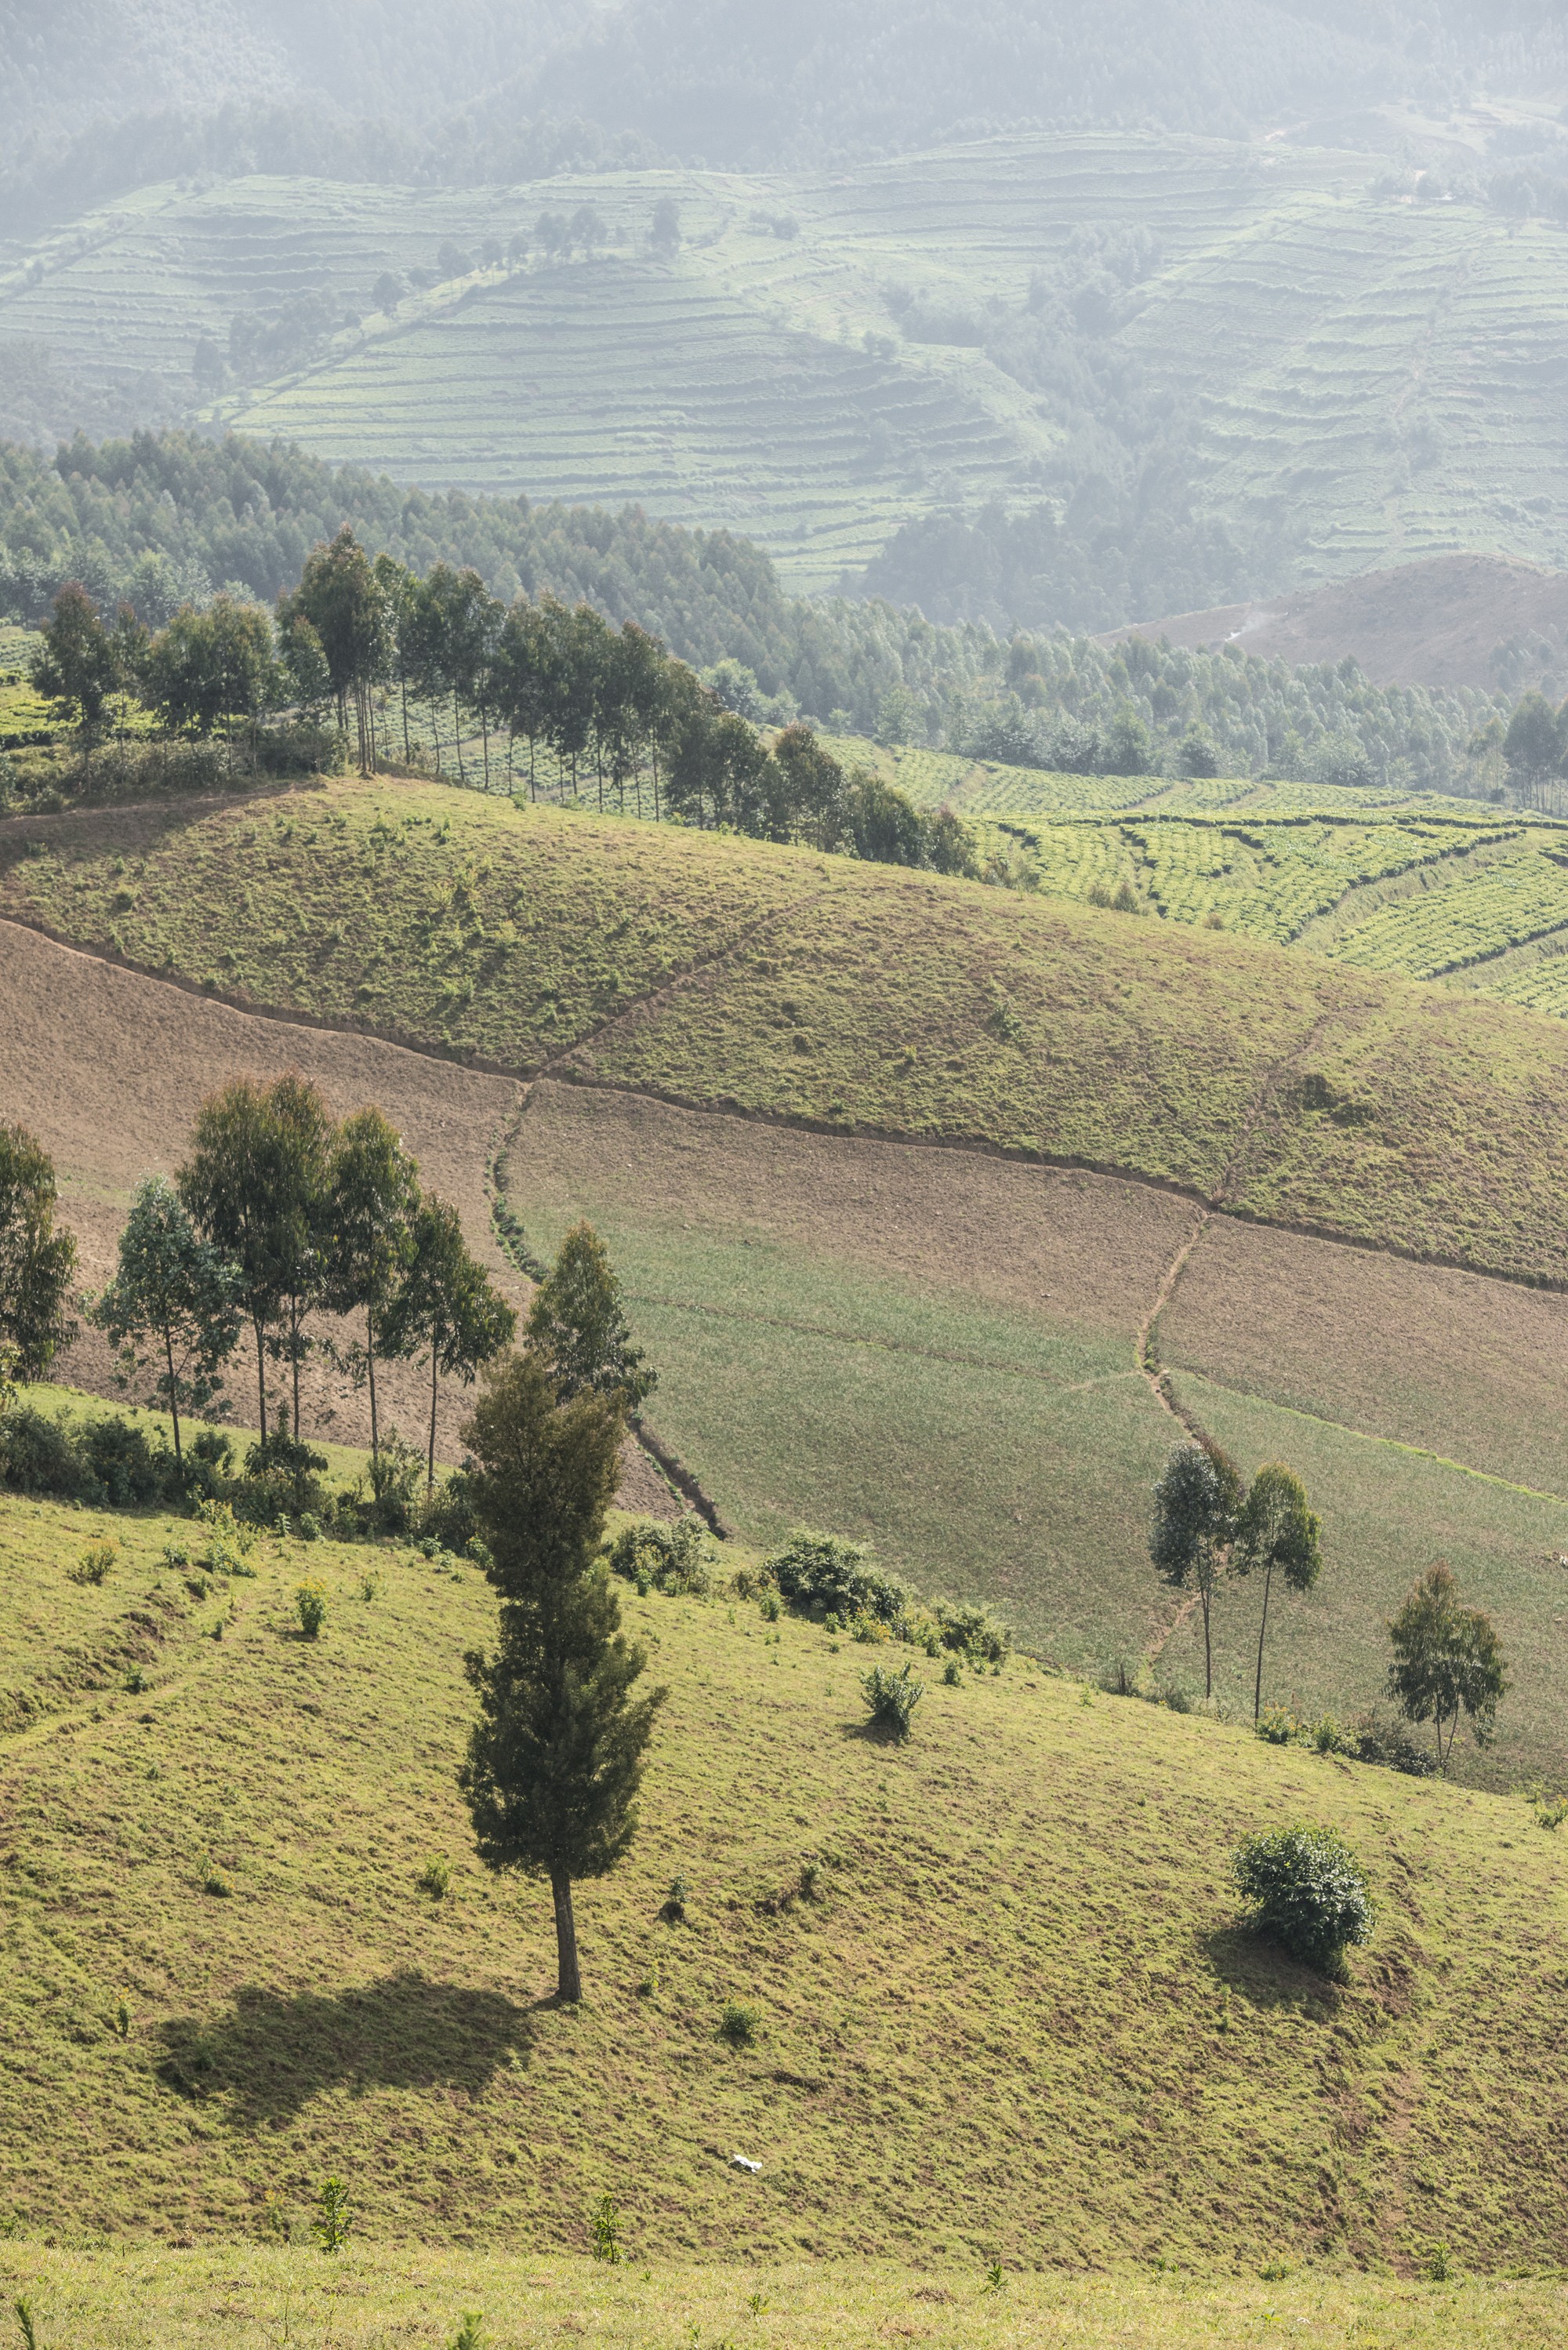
(118, 2297)
(1009, 2019)
(1385, 367)
(1003, 1455)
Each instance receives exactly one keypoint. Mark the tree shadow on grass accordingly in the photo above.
(1265, 1975)
(270, 2054)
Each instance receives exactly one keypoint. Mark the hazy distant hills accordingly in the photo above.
(743, 83)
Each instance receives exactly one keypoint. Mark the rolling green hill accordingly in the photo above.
(810, 366)
(1013, 2016)
(952, 1350)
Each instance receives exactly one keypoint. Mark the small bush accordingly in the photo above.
(892, 1697)
(309, 1526)
(1276, 1724)
(330, 2225)
(37, 1456)
(1305, 1888)
(771, 1607)
(310, 1604)
(216, 1882)
(435, 1878)
(228, 1541)
(606, 2231)
(973, 1631)
(1391, 1744)
(1325, 1736)
(95, 1563)
(1176, 1697)
(952, 1674)
(738, 2024)
(655, 1555)
(828, 1575)
(177, 1555)
(135, 1681)
(447, 1521)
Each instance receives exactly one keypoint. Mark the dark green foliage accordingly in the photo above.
(576, 1321)
(1307, 1890)
(1276, 1531)
(1447, 1661)
(974, 1631)
(1196, 1505)
(37, 1258)
(446, 1301)
(173, 1293)
(658, 1555)
(891, 1698)
(555, 1758)
(827, 1575)
(74, 666)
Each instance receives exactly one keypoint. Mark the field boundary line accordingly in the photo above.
(1370, 1436)
(794, 1121)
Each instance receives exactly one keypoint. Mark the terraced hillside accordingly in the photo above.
(728, 1053)
(1428, 888)
(1011, 2014)
(1374, 370)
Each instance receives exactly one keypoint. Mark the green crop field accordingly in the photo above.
(1011, 2018)
(1386, 364)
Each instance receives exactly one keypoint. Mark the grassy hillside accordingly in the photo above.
(155, 2299)
(735, 385)
(935, 1350)
(863, 997)
(1014, 2017)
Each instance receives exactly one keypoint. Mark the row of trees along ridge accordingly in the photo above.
(552, 677)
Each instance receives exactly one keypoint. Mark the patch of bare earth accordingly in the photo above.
(1086, 1251)
(108, 1069)
(1472, 1368)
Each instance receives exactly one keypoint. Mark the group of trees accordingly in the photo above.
(1210, 1529)
(282, 1215)
(167, 518)
(368, 640)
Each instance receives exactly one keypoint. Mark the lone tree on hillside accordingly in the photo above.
(576, 1321)
(1447, 1660)
(373, 1192)
(1276, 1529)
(555, 1758)
(37, 1258)
(447, 1301)
(1197, 1504)
(171, 1288)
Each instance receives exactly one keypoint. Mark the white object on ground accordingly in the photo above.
(743, 2162)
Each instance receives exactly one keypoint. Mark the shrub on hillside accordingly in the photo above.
(1306, 1889)
(1391, 1744)
(972, 1632)
(37, 1455)
(656, 1555)
(447, 1518)
(892, 1697)
(826, 1575)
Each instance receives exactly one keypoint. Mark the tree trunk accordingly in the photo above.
(1208, 1648)
(484, 738)
(173, 1390)
(371, 1369)
(403, 690)
(457, 732)
(260, 1375)
(430, 1465)
(1257, 1685)
(294, 1355)
(569, 1982)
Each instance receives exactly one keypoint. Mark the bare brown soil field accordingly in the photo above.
(1436, 622)
(108, 1069)
(1471, 1368)
(1089, 1248)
